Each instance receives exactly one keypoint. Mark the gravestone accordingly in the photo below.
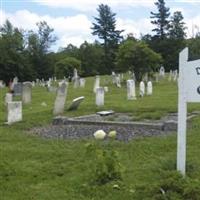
(145, 79)
(162, 71)
(59, 104)
(100, 96)
(75, 78)
(170, 75)
(8, 98)
(175, 75)
(131, 90)
(149, 88)
(96, 83)
(17, 89)
(26, 92)
(75, 103)
(142, 89)
(82, 82)
(118, 81)
(14, 112)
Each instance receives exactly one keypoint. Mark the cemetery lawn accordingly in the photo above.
(36, 168)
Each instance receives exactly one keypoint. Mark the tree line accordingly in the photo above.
(27, 55)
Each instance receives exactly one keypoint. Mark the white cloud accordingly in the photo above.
(85, 5)
(136, 27)
(73, 29)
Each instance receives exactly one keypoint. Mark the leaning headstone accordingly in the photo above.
(14, 112)
(8, 98)
(82, 82)
(149, 88)
(59, 104)
(131, 90)
(100, 96)
(142, 89)
(75, 103)
(17, 89)
(96, 83)
(26, 92)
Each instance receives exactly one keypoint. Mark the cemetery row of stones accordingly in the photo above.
(14, 108)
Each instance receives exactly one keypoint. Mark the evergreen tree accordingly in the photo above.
(161, 19)
(177, 26)
(105, 29)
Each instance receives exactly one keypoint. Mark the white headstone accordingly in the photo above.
(149, 88)
(96, 83)
(26, 92)
(162, 71)
(131, 90)
(8, 98)
(59, 104)
(100, 96)
(142, 89)
(82, 82)
(14, 112)
(75, 103)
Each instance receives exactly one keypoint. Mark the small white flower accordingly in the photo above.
(112, 134)
(99, 135)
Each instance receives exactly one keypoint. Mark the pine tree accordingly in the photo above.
(177, 26)
(161, 19)
(105, 29)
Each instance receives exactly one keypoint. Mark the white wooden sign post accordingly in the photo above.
(189, 91)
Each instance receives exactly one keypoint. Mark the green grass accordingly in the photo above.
(32, 167)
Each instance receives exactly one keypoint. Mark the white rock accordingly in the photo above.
(99, 135)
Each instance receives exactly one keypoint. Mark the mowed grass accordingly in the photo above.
(32, 167)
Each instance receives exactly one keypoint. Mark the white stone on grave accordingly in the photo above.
(8, 98)
(149, 88)
(82, 82)
(33, 83)
(175, 75)
(59, 103)
(113, 77)
(96, 83)
(14, 112)
(142, 89)
(100, 96)
(1, 84)
(15, 80)
(26, 92)
(131, 90)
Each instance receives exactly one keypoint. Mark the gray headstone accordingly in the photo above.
(60, 99)
(17, 89)
(26, 92)
(14, 112)
(75, 103)
(100, 96)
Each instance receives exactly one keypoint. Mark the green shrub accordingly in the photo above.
(105, 165)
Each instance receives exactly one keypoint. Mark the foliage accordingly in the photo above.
(105, 29)
(138, 57)
(172, 186)
(105, 165)
(66, 67)
(161, 19)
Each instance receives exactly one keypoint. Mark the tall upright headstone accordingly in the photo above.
(59, 104)
(162, 71)
(26, 92)
(142, 89)
(131, 90)
(96, 83)
(149, 88)
(82, 82)
(14, 112)
(100, 96)
(76, 78)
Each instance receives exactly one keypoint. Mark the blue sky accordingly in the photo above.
(72, 19)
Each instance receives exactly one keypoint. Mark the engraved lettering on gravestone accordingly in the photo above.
(198, 90)
(198, 70)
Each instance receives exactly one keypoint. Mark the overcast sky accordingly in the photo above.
(72, 19)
